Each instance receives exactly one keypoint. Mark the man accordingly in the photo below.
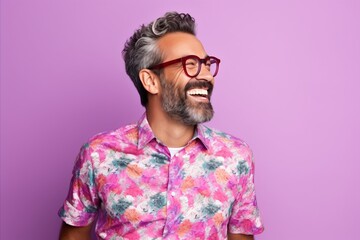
(168, 176)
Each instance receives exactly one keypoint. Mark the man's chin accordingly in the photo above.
(200, 115)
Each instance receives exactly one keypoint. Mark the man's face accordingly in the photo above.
(183, 98)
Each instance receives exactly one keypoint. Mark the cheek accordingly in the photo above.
(180, 85)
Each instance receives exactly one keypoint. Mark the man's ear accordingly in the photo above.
(149, 80)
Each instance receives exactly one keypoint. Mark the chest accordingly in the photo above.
(153, 187)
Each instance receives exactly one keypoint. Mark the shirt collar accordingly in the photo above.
(146, 134)
(203, 134)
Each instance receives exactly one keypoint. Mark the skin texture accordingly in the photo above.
(68, 232)
(240, 237)
(167, 128)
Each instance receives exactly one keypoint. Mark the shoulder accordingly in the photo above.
(104, 146)
(221, 142)
(215, 135)
(121, 138)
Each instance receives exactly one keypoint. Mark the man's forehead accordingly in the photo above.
(180, 44)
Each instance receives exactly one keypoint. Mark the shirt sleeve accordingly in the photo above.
(81, 204)
(245, 217)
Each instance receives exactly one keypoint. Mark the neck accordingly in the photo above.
(171, 132)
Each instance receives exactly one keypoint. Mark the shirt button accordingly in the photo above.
(173, 194)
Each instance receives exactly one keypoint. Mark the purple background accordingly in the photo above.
(289, 85)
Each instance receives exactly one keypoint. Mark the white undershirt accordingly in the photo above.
(173, 151)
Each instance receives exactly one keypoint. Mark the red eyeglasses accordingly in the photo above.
(192, 64)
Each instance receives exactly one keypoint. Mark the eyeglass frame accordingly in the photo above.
(183, 61)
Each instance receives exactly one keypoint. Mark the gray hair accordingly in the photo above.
(141, 49)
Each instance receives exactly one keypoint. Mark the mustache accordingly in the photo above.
(199, 84)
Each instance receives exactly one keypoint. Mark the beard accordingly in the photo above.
(177, 105)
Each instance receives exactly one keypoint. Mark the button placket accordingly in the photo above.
(171, 193)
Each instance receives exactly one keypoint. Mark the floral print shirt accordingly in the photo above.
(127, 180)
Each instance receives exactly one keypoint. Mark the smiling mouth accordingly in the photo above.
(200, 94)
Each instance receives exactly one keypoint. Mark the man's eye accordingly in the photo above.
(190, 63)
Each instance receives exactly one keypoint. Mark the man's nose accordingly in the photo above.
(205, 74)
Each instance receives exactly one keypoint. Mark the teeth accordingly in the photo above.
(198, 92)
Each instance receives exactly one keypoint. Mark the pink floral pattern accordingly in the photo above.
(127, 179)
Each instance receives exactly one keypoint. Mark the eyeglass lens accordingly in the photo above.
(193, 66)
